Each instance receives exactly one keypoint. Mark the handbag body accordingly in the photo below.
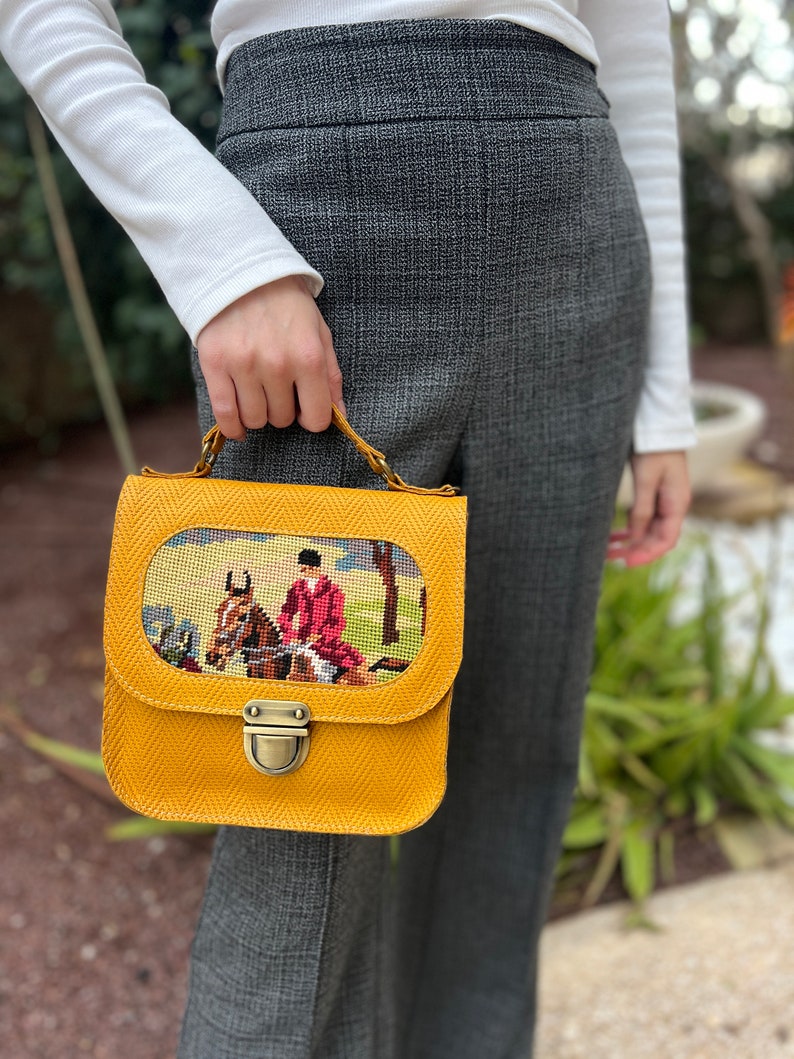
(282, 655)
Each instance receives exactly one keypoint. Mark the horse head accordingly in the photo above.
(244, 626)
(233, 615)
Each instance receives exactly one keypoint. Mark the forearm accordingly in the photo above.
(203, 235)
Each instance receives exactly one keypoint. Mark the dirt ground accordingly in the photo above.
(94, 935)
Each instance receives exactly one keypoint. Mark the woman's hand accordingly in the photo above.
(661, 499)
(269, 358)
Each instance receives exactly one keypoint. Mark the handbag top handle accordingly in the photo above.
(214, 441)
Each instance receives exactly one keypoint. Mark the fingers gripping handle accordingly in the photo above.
(214, 441)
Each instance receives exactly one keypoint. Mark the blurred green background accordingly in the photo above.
(735, 74)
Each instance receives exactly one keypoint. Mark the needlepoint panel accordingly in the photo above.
(279, 607)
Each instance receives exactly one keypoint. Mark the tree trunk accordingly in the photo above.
(384, 563)
(761, 249)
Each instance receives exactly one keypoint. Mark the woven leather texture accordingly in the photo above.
(172, 740)
(372, 779)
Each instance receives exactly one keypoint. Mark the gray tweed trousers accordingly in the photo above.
(459, 185)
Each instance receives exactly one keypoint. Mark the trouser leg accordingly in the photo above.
(290, 958)
(475, 881)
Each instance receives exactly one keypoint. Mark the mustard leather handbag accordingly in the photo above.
(282, 655)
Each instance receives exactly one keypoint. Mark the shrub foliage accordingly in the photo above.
(674, 727)
(146, 345)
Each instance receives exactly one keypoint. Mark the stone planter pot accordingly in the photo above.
(729, 420)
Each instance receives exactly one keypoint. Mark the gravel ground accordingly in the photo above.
(94, 935)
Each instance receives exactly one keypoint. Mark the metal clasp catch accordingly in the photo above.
(276, 735)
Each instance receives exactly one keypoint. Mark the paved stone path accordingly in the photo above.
(715, 981)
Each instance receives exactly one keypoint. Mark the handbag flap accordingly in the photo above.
(348, 600)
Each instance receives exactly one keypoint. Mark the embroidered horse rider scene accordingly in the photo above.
(277, 607)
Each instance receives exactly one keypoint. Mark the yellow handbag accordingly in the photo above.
(282, 655)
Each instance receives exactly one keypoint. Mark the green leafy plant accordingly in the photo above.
(671, 729)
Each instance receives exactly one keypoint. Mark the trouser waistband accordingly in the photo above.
(413, 69)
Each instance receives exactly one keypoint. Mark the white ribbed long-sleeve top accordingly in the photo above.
(206, 238)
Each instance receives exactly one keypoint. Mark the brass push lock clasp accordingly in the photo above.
(276, 735)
